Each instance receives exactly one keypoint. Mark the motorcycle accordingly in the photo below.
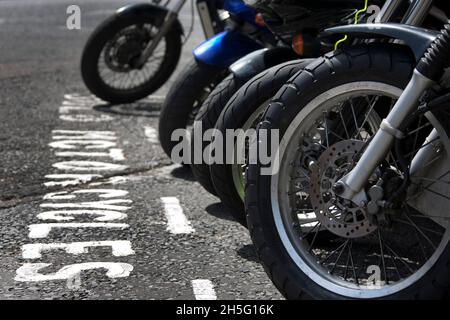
(299, 37)
(135, 51)
(364, 156)
(243, 34)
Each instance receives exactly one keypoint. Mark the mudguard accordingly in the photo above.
(253, 63)
(225, 48)
(418, 39)
(140, 9)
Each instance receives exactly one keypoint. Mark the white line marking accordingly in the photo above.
(177, 223)
(151, 134)
(42, 230)
(68, 215)
(203, 289)
(30, 271)
(120, 248)
(74, 165)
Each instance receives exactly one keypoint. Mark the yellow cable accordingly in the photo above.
(366, 5)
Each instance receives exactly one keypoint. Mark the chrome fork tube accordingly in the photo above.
(387, 11)
(170, 18)
(417, 13)
(353, 183)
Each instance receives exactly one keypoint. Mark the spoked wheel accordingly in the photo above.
(396, 245)
(375, 253)
(110, 63)
(119, 69)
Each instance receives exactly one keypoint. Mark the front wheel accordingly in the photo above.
(109, 62)
(326, 116)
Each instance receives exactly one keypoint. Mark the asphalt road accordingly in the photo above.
(135, 228)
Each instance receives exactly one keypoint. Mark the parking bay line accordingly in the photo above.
(177, 223)
(203, 289)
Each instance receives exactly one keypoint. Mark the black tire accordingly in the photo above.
(106, 32)
(184, 99)
(238, 110)
(207, 117)
(388, 64)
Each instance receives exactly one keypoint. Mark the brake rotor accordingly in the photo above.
(124, 48)
(340, 216)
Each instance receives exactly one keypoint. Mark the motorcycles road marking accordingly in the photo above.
(80, 150)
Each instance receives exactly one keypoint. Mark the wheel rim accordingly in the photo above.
(117, 62)
(298, 248)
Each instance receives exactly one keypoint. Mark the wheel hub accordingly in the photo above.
(339, 216)
(122, 53)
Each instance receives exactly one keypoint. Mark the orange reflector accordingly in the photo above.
(259, 20)
(298, 44)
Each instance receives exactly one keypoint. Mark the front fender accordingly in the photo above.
(144, 9)
(253, 63)
(224, 49)
(418, 39)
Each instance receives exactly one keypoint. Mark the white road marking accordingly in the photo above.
(177, 223)
(73, 145)
(30, 271)
(119, 248)
(75, 165)
(74, 179)
(88, 144)
(83, 135)
(114, 154)
(203, 289)
(68, 215)
(103, 204)
(42, 230)
(151, 134)
(86, 118)
(103, 193)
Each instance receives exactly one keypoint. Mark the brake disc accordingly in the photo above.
(340, 216)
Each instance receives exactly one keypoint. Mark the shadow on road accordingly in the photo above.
(248, 253)
(183, 172)
(218, 210)
(135, 109)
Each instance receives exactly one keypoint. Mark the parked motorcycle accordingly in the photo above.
(249, 104)
(208, 67)
(135, 51)
(379, 186)
(299, 35)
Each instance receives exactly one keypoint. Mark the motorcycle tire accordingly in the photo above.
(188, 92)
(95, 53)
(206, 119)
(388, 65)
(247, 104)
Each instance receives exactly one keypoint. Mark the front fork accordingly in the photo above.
(428, 71)
(171, 17)
(351, 186)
